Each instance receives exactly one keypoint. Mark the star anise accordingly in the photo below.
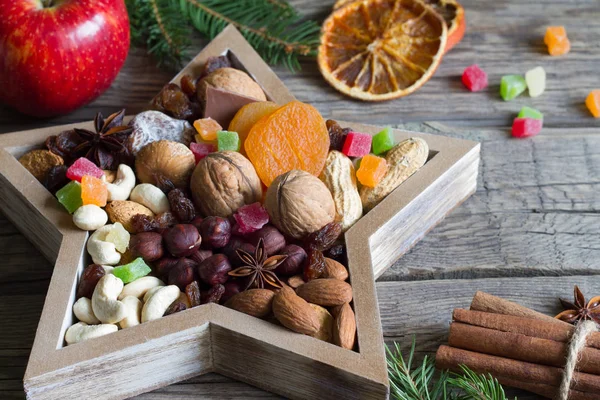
(258, 268)
(107, 146)
(580, 310)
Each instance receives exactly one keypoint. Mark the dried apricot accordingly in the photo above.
(293, 137)
(249, 115)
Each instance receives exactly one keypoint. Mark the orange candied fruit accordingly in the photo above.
(557, 41)
(593, 103)
(372, 170)
(93, 191)
(207, 129)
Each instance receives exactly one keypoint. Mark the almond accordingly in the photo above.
(344, 328)
(255, 302)
(123, 211)
(295, 313)
(335, 270)
(326, 292)
(325, 331)
(295, 281)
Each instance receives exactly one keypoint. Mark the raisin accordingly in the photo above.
(188, 85)
(165, 220)
(67, 141)
(314, 265)
(173, 101)
(325, 237)
(89, 279)
(56, 178)
(192, 292)
(143, 223)
(51, 145)
(214, 63)
(214, 294)
(338, 253)
(181, 206)
(175, 308)
(337, 135)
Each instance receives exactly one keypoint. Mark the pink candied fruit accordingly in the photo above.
(526, 127)
(474, 78)
(250, 218)
(357, 144)
(201, 150)
(81, 167)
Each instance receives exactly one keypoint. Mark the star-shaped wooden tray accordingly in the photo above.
(212, 338)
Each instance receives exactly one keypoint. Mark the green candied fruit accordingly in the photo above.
(383, 141)
(227, 140)
(70, 196)
(511, 86)
(132, 271)
(528, 112)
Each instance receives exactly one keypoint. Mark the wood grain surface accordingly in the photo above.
(535, 216)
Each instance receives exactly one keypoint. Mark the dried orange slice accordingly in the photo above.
(381, 49)
(452, 12)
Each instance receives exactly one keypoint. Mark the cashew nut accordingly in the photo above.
(90, 217)
(150, 196)
(150, 293)
(156, 305)
(82, 331)
(107, 269)
(133, 305)
(103, 252)
(121, 188)
(83, 311)
(140, 286)
(106, 307)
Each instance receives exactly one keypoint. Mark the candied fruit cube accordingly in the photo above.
(250, 218)
(228, 141)
(201, 150)
(557, 41)
(474, 78)
(93, 191)
(372, 170)
(70, 196)
(383, 141)
(207, 129)
(528, 112)
(118, 236)
(82, 166)
(593, 103)
(357, 144)
(536, 81)
(526, 127)
(511, 86)
(132, 271)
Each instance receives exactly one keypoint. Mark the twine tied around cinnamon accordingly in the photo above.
(576, 344)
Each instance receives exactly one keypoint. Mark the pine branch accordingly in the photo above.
(425, 383)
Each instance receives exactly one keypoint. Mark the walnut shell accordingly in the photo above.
(298, 204)
(230, 79)
(165, 164)
(223, 182)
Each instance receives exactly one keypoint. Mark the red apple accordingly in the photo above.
(57, 55)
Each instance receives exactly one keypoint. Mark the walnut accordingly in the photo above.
(165, 164)
(223, 182)
(298, 204)
(233, 80)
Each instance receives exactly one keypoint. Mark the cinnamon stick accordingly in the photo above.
(524, 326)
(520, 347)
(451, 358)
(488, 303)
(546, 390)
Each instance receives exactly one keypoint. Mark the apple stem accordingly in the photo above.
(48, 3)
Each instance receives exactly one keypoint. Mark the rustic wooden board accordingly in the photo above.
(560, 211)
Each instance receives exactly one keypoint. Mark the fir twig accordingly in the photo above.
(423, 382)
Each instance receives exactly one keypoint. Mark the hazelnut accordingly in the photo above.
(215, 232)
(299, 203)
(182, 240)
(197, 221)
(165, 164)
(147, 245)
(182, 274)
(223, 182)
(163, 266)
(232, 80)
(230, 250)
(272, 238)
(214, 269)
(201, 255)
(231, 289)
(294, 261)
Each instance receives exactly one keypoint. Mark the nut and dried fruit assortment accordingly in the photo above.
(185, 210)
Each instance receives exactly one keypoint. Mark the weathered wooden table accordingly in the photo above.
(530, 232)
